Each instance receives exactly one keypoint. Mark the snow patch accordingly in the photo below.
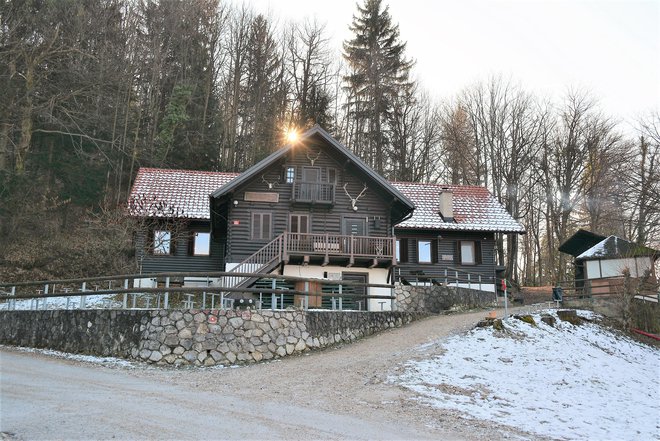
(91, 302)
(106, 361)
(566, 382)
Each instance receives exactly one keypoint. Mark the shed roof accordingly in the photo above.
(579, 242)
(614, 247)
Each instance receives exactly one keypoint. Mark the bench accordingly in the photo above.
(324, 246)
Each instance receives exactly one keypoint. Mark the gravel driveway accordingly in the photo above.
(338, 393)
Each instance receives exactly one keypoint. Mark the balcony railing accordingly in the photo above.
(330, 245)
(313, 192)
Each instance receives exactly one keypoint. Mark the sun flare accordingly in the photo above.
(292, 135)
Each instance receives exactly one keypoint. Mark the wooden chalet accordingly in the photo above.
(314, 209)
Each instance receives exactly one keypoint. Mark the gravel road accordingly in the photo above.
(338, 393)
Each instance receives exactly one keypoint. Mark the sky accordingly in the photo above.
(610, 49)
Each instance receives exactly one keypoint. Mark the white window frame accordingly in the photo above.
(419, 250)
(473, 251)
(290, 175)
(162, 242)
(207, 251)
(261, 235)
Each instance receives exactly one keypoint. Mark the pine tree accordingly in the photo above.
(379, 73)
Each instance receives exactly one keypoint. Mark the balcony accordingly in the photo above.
(322, 193)
(325, 249)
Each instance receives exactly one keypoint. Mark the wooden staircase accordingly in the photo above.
(263, 261)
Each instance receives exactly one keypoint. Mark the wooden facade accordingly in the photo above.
(181, 258)
(306, 193)
(315, 205)
(445, 256)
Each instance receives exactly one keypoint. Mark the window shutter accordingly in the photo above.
(434, 251)
(256, 225)
(304, 224)
(265, 225)
(173, 240)
(149, 241)
(191, 243)
(477, 252)
(403, 250)
(457, 252)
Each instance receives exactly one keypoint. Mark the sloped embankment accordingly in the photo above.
(557, 374)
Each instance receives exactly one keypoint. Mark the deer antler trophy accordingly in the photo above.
(270, 184)
(354, 200)
(313, 160)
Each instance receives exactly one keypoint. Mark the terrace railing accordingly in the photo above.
(128, 295)
(313, 192)
(340, 245)
(259, 262)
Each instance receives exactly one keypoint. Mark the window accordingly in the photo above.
(468, 252)
(201, 243)
(261, 226)
(299, 223)
(290, 175)
(397, 252)
(424, 251)
(332, 176)
(162, 241)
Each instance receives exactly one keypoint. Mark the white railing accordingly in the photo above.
(266, 256)
(340, 245)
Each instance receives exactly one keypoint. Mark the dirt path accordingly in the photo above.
(339, 393)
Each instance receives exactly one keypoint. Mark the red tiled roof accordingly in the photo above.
(185, 194)
(161, 192)
(475, 209)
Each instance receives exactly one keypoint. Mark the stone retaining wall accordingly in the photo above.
(96, 332)
(438, 298)
(178, 337)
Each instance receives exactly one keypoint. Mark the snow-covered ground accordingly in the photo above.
(566, 381)
(106, 361)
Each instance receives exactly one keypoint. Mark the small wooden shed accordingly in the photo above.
(600, 261)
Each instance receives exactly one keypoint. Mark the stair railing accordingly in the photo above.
(267, 255)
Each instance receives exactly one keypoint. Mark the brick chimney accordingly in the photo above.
(447, 204)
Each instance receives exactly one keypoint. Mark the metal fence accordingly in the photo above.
(124, 291)
(448, 277)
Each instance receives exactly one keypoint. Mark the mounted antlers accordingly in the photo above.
(270, 184)
(354, 200)
(312, 160)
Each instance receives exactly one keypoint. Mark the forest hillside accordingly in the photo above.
(92, 90)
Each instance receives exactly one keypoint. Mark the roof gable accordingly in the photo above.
(257, 169)
(475, 209)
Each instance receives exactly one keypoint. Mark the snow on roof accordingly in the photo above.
(614, 247)
(185, 194)
(163, 193)
(475, 209)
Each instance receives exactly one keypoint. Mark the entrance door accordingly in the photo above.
(355, 302)
(310, 188)
(355, 226)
